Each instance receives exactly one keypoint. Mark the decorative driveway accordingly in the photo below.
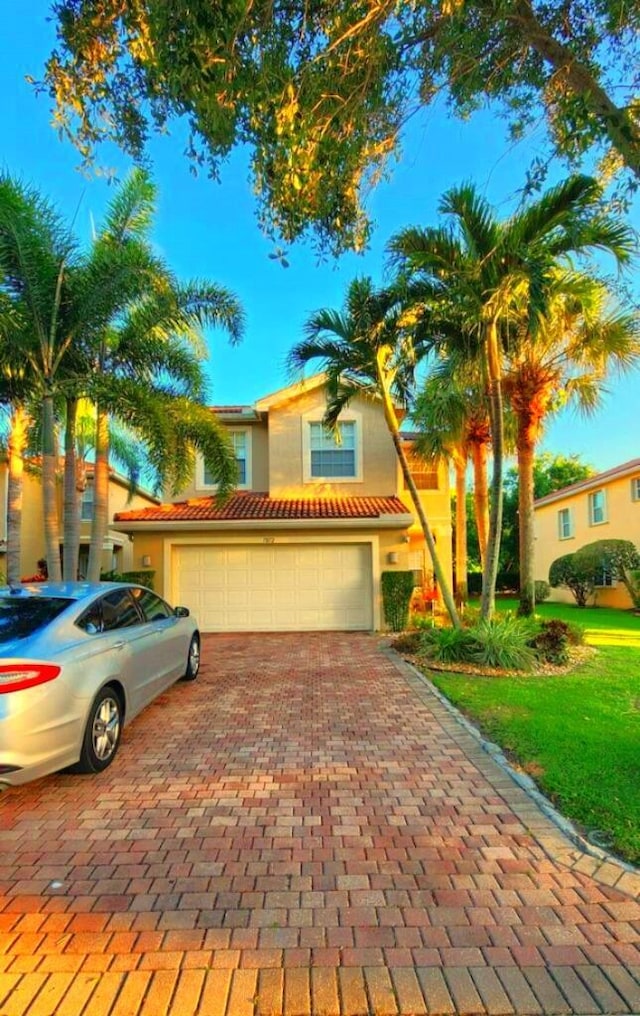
(304, 830)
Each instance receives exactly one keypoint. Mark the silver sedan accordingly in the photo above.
(77, 661)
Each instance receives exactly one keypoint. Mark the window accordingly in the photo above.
(423, 471)
(333, 455)
(635, 488)
(240, 440)
(605, 578)
(565, 523)
(153, 608)
(86, 504)
(21, 616)
(118, 610)
(597, 508)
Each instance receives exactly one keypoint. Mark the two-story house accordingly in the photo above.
(117, 548)
(302, 543)
(602, 507)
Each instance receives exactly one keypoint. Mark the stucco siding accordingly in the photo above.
(621, 522)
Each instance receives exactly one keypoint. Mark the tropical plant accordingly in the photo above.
(71, 307)
(577, 340)
(451, 414)
(492, 275)
(366, 351)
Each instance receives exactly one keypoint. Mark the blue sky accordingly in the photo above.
(209, 230)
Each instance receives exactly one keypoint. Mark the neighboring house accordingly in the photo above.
(303, 542)
(117, 548)
(602, 507)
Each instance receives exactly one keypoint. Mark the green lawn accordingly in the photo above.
(578, 735)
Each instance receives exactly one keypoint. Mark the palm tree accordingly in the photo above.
(365, 350)
(71, 305)
(487, 271)
(451, 412)
(582, 336)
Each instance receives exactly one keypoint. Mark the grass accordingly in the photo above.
(578, 734)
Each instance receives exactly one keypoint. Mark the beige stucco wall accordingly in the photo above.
(286, 424)
(623, 523)
(158, 547)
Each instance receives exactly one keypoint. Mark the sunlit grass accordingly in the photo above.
(577, 734)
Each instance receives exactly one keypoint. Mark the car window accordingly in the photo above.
(91, 620)
(153, 608)
(21, 616)
(119, 610)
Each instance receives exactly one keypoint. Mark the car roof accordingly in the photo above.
(66, 590)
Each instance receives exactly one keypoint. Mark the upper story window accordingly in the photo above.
(597, 508)
(241, 441)
(332, 456)
(565, 523)
(423, 471)
(86, 504)
(635, 488)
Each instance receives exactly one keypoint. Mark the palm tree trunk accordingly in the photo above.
(394, 430)
(494, 371)
(481, 496)
(100, 496)
(49, 489)
(71, 510)
(460, 466)
(17, 443)
(526, 453)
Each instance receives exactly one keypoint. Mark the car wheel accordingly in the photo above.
(193, 659)
(102, 733)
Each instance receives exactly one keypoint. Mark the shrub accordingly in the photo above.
(577, 574)
(503, 643)
(575, 634)
(542, 590)
(447, 645)
(551, 643)
(618, 557)
(474, 583)
(138, 578)
(408, 642)
(397, 587)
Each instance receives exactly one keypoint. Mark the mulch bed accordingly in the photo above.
(577, 656)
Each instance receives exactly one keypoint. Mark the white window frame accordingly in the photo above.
(568, 513)
(201, 483)
(603, 584)
(316, 416)
(592, 496)
(85, 502)
(635, 488)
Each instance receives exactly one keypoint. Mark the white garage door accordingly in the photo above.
(284, 587)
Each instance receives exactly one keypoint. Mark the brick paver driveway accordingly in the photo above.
(303, 830)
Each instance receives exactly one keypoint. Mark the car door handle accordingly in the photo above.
(118, 645)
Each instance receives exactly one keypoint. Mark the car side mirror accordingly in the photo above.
(181, 611)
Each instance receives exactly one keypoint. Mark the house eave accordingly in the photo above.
(403, 521)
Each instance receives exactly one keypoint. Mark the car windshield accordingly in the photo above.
(21, 616)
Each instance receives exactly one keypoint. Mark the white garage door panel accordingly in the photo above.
(287, 587)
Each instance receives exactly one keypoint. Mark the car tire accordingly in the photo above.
(102, 733)
(193, 659)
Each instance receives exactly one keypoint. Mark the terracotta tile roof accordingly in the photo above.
(250, 505)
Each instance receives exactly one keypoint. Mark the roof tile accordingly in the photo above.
(252, 505)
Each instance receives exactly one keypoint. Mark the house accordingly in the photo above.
(302, 543)
(602, 507)
(117, 548)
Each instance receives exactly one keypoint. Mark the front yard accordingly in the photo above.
(577, 735)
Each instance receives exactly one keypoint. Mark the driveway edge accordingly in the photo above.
(557, 836)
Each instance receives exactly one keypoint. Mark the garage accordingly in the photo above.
(276, 587)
